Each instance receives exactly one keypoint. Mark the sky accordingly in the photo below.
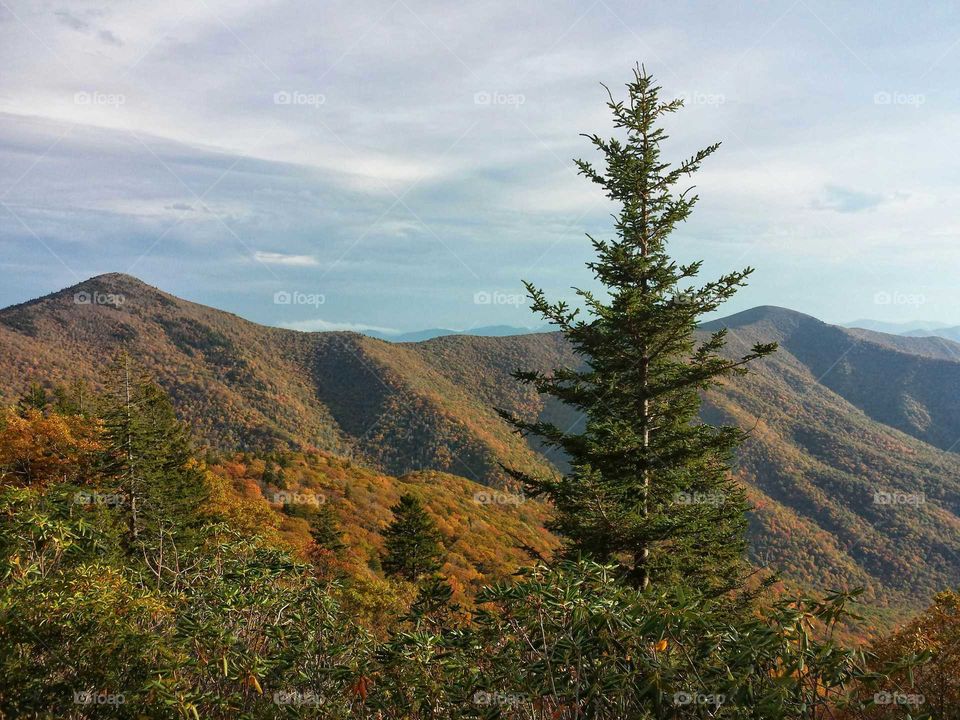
(404, 164)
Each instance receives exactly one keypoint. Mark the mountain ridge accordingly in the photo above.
(835, 417)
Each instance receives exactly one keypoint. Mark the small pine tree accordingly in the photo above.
(413, 544)
(649, 485)
(325, 529)
(36, 398)
(323, 521)
(269, 476)
(280, 478)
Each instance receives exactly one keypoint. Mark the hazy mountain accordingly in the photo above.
(950, 333)
(910, 329)
(837, 416)
(429, 334)
(896, 328)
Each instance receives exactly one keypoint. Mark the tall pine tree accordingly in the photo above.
(149, 457)
(412, 543)
(649, 485)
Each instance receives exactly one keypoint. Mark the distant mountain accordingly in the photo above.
(893, 328)
(950, 333)
(842, 420)
(484, 331)
(912, 329)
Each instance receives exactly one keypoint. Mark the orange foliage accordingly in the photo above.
(37, 448)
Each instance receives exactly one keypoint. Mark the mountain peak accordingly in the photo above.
(780, 317)
(115, 288)
(116, 281)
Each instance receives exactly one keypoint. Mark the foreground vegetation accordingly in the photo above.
(214, 621)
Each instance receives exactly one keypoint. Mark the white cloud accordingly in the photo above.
(275, 258)
(318, 325)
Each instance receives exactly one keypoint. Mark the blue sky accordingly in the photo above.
(403, 164)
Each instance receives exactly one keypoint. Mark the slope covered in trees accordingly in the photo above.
(817, 453)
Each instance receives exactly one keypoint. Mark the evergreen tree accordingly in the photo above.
(649, 485)
(280, 479)
(412, 542)
(325, 529)
(35, 398)
(269, 476)
(72, 399)
(324, 524)
(149, 456)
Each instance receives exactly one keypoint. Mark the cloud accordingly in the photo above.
(275, 258)
(109, 38)
(318, 325)
(71, 21)
(846, 200)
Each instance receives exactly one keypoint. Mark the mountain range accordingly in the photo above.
(850, 462)
(910, 329)
(430, 333)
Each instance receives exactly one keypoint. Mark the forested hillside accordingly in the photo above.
(835, 417)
